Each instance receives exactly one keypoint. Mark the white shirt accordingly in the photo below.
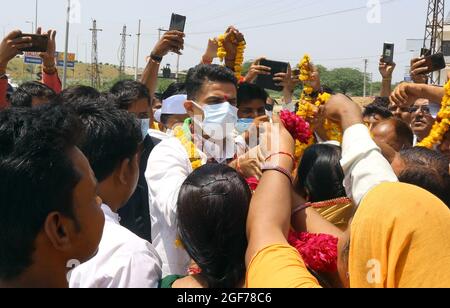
(364, 165)
(168, 167)
(157, 134)
(124, 260)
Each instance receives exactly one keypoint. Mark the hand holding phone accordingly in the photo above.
(177, 23)
(388, 53)
(39, 43)
(267, 81)
(434, 63)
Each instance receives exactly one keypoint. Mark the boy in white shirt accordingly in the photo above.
(111, 143)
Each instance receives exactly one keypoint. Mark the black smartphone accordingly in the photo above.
(424, 52)
(388, 53)
(435, 63)
(177, 23)
(266, 81)
(39, 42)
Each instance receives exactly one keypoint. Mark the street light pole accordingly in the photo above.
(66, 49)
(36, 18)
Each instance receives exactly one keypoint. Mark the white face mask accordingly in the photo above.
(145, 126)
(219, 120)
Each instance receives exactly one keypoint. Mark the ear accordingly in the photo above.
(189, 106)
(124, 171)
(59, 229)
(192, 109)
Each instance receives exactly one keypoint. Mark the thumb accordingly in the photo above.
(13, 35)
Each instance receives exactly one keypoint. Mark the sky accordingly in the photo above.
(336, 33)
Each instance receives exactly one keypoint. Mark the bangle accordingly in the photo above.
(278, 169)
(156, 58)
(281, 153)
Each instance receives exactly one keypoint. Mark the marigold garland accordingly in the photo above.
(305, 76)
(334, 131)
(222, 53)
(194, 157)
(442, 124)
(306, 108)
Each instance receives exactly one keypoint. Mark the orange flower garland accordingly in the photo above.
(334, 131)
(442, 124)
(222, 53)
(194, 157)
(305, 76)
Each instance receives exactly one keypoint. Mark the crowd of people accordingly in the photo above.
(206, 186)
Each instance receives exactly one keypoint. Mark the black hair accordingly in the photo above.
(212, 211)
(37, 177)
(427, 169)
(379, 106)
(198, 75)
(23, 96)
(176, 88)
(248, 92)
(76, 93)
(111, 135)
(127, 92)
(320, 174)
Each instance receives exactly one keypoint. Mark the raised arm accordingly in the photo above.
(10, 47)
(171, 41)
(49, 72)
(386, 71)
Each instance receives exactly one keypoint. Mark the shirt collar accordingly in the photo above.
(110, 215)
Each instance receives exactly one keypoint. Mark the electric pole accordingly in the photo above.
(365, 77)
(123, 52)
(95, 73)
(137, 52)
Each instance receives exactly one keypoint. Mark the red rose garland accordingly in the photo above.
(297, 126)
(319, 251)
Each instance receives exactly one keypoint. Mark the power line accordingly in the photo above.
(299, 19)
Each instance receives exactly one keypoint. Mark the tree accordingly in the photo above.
(344, 80)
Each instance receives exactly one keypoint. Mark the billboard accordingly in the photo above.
(33, 58)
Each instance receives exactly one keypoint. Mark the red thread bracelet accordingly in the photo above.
(282, 153)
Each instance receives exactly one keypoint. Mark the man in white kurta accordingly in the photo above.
(124, 260)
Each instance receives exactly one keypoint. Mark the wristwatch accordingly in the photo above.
(156, 58)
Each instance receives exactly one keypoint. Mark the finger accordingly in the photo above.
(278, 79)
(22, 46)
(281, 75)
(13, 35)
(261, 68)
(418, 63)
(53, 35)
(21, 40)
(39, 31)
(420, 71)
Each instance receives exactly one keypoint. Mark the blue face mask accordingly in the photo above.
(243, 125)
(145, 126)
(219, 120)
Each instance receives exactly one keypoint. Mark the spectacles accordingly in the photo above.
(424, 109)
(401, 109)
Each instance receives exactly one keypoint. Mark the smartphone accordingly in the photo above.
(177, 23)
(424, 52)
(388, 53)
(435, 62)
(39, 42)
(266, 81)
